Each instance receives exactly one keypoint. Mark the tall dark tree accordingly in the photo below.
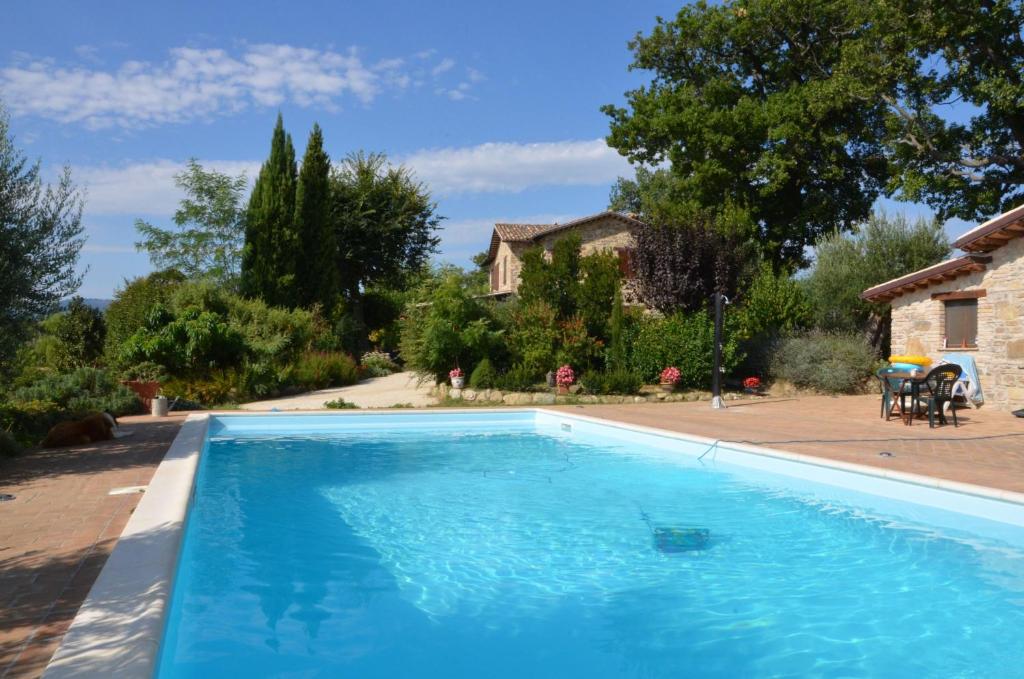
(317, 276)
(956, 120)
(40, 238)
(385, 226)
(750, 101)
(270, 253)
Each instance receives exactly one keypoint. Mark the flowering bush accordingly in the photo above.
(455, 372)
(752, 383)
(670, 375)
(565, 376)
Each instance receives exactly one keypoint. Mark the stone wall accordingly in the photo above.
(603, 234)
(918, 324)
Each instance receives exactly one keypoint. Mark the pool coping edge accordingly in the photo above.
(118, 628)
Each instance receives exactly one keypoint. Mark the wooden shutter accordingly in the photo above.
(625, 262)
(494, 276)
(961, 323)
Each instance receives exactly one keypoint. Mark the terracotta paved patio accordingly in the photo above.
(56, 536)
(986, 449)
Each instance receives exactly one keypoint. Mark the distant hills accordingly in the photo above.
(94, 302)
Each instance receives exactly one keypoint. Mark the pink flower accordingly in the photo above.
(565, 376)
(670, 375)
(455, 372)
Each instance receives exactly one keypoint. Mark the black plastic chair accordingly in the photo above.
(940, 382)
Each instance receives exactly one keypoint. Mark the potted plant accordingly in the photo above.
(457, 378)
(564, 377)
(752, 385)
(670, 377)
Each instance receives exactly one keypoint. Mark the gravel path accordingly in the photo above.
(376, 392)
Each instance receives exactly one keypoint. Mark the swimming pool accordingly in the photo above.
(541, 543)
(535, 544)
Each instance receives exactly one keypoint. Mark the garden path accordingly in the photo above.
(377, 392)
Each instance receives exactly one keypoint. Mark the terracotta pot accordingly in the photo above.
(563, 389)
(668, 387)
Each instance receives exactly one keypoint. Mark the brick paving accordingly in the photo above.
(986, 449)
(56, 535)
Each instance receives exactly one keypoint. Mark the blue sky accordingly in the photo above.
(495, 106)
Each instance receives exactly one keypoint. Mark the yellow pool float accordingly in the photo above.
(913, 360)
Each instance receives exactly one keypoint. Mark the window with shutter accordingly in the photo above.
(494, 277)
(961, 323)
(625, 262)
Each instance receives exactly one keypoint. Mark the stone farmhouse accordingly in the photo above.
(971, 303)
(605, 231)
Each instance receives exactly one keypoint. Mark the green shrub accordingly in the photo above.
(575, 347)
(322, 369)
(82, 390)
(27, 422)
(611, 382)
(484, 376)
(828, 362)
(519, 378)
(342, 404)
(685, 341)
(9, 446)
(534, 336)
(217, 387)
(131, 306)
(188, 344)
(377, 364)
(454, 329)
(79, 332)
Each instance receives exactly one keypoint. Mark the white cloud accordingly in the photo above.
(446, 64)
(144, 188)
(147, 188)
(511, 167)
(193, 84)
(425, 54)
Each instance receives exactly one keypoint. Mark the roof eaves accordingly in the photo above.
(937, 273)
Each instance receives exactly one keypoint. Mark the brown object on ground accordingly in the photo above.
(56, 534)
(987, 448)
(90, 429)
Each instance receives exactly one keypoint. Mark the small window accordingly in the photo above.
(961, 323)
(504, 271)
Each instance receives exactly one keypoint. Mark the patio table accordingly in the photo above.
(915, 378)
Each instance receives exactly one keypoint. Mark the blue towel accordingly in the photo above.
(970, 373)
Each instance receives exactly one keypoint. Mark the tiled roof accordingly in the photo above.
(937, 273)
(521, 232)
(993, 233)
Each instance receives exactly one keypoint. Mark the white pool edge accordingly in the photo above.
(119, 627)
(117, 630)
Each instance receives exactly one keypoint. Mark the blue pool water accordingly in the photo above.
(508, 550)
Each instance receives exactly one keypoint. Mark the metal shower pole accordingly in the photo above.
(716, 376)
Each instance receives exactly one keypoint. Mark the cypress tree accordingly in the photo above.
(270, 252)
(316, 276)
(616, 346)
